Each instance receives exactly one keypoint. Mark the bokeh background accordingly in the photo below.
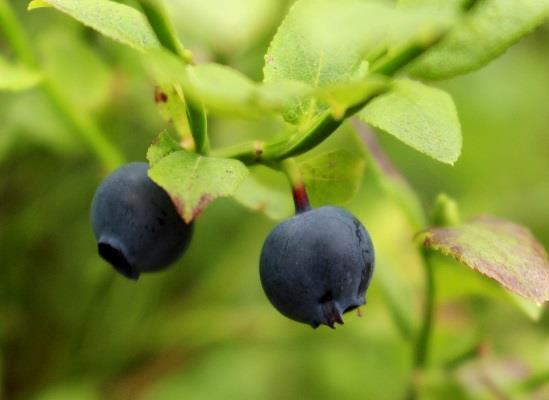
(72, 329)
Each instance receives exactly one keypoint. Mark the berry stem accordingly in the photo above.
(299, 192)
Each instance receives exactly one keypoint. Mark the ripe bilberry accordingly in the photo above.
(317, 265)
(136, 225)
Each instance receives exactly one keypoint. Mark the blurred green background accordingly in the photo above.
(71, 329)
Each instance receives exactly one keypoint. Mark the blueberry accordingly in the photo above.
(135, 223)
(317, 265)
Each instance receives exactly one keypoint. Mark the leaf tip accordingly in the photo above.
(34, 4)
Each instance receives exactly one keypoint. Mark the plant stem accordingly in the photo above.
(421, 358)
(82, 124)
(198, 123)
(299, 192)
(299, 143)
(15, 35)
(164, 30)
(155, 11)
(247, 152)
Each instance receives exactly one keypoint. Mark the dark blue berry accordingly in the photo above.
(136, 225)
(317, 265)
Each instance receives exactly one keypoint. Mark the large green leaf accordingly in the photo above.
(323, 42)
(333, 177)
(117, 21)
(17, 77)
(486, 32)
(424, 118)
(502, 250)
(191, 180)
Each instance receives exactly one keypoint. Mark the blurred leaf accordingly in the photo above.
(114, 20)
(226, 26)
(74, 68)
(389, 177)
(70, 390)
(323, 42)
(17, 77)
(486, 32)
(334, 177)
(453, 5)
(529, 307)
(223, 90)
(503, 251)
(30, 118)
(261, 191)
(424, 118)
(191, 180)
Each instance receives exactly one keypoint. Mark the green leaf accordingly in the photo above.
(340, 97)
(17, 77)
(332, 178)
(486, 32)
(452, 5)
(117, 21)
(422, 117)
(162, 146)
(191, 180)
(266, 191)
(226, 26)
(34, 4)
(171, 105)
(324, 42)
(499, 249)
(223, 90)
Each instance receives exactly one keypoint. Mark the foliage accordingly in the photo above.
(326, 62)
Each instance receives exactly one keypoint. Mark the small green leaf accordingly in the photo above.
(422, 117)
(117, 21)
(162, 146)
(171, 105)
(326, 42)
(332, 178)
(487, 31)
(499, 249)
(17, 77)
(191, 180)
(266, 191)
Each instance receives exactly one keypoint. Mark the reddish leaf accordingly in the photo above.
(502, 250)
